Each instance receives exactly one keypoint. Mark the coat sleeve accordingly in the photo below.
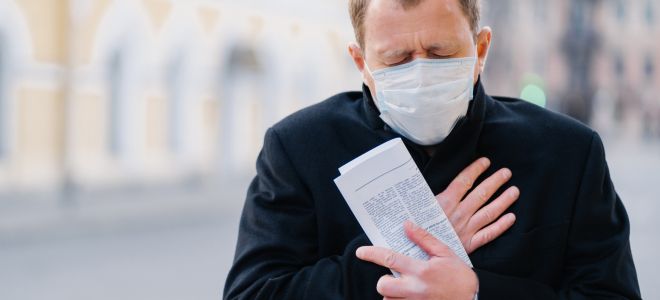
(598, 262)
(277, 249)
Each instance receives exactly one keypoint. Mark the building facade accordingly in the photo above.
(596, 60)
(109, 92)
(106, 92)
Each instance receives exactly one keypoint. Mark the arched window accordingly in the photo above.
(541, 11)
(184, 76)
(242, 106)
(122, 51)
(123, 75)
(4, 135)
(649, 13)
(649, 67)
(115, 69)
(174, 77)
(243, 61)
(620, 9)
(619, 65)
(15, 52)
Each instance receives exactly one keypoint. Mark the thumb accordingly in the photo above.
(425, 240)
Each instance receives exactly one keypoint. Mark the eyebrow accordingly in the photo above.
(394, 53)
(441, 47)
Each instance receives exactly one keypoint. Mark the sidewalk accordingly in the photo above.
(39, 217)
(635, 171)
(166, 242)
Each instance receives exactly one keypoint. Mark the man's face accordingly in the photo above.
(435, 29)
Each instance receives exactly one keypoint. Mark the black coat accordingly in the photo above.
(297, 236)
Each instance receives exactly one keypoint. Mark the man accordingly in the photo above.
(565, 237)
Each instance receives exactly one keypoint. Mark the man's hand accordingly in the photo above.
(475, 224)
(443, 276)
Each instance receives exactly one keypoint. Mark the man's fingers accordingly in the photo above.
(392, 288)
(464, 181)
(483, 192)
(426, 241)
(488, 234)
(489, 213)
(387, 258)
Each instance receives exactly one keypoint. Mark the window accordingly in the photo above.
(540, 11)
(579, 17)
(619, 65)
(116, 66)
(3, 96)
(243, 78)
(649, 13)
(649, 67)
(243, 59)
(620, 8)
(175, 82)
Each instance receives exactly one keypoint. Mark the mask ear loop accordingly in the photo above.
(472, 82)
(366, 66)
(381, 107)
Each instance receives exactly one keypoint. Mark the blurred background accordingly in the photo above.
(129, 128)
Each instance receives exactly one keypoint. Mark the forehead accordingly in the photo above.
(388, 25)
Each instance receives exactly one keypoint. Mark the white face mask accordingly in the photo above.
(424, 99)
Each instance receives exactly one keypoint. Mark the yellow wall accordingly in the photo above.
(89, 124)
(62, 72)
(87, 31)
(39, 131)
(156, 121)
(48, 25)
(158, 11)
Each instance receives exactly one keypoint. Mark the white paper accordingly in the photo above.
(384, 188)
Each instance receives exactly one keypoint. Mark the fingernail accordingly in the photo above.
(411, 225)
(512, 217)
(515, 192)
(485, 162)
(359, 252)
(407, 223)
(506, 173)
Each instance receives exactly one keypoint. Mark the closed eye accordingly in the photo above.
(400, 61)
(438, 56)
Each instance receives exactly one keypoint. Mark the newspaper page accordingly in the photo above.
(384, 188)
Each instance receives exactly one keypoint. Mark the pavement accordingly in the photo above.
(177, 242)
(635, 172)
(150, 243)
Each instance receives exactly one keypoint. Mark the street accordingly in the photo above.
(187, 257)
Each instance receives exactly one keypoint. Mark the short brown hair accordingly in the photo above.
(358, 10)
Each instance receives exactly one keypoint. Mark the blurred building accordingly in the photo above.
(628, 64)
(112, 92)
(593, 59)
(107, 92)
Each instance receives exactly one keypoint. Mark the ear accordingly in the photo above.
(483, 46)
(358, 59)
(355, 52)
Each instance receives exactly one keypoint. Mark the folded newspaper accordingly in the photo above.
(384, 188)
